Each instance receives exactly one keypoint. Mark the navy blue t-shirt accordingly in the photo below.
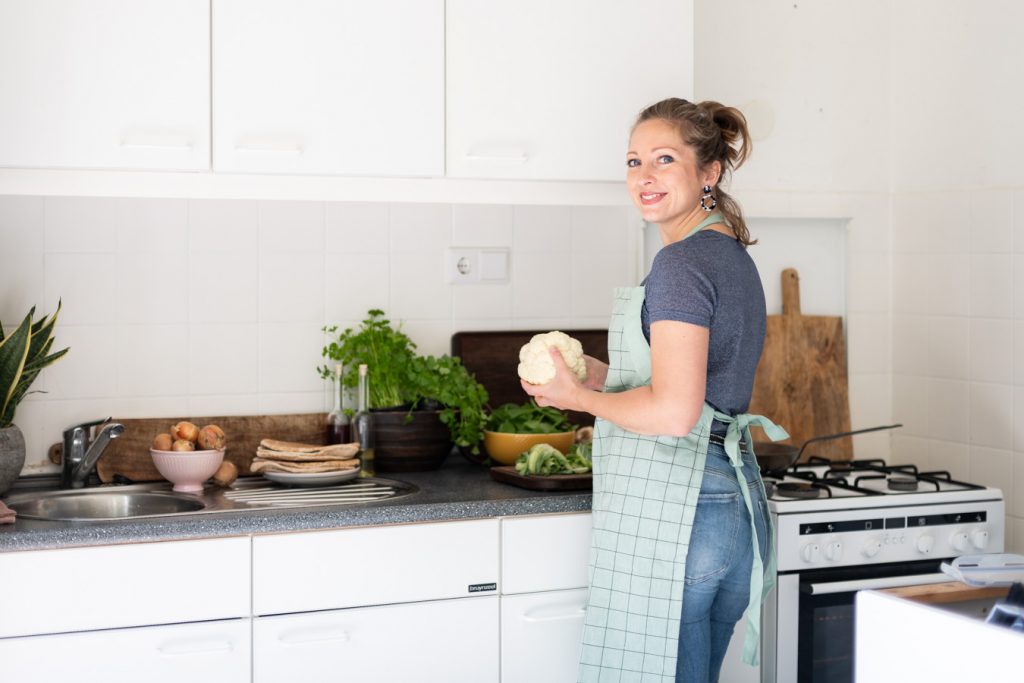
(710, 280)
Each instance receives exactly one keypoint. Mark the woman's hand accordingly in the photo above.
(597, 373)
(563, 391)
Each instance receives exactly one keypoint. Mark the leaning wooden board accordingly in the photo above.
(129, 456)
(801, 380)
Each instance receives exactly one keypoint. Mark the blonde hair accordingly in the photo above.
(715, 132)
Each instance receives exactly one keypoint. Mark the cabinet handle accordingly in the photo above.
(554, 613)
(195, 648)
(301, 637)
(511, 158)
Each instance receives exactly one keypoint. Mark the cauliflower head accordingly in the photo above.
(536, 366)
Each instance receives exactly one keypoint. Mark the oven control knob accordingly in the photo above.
(871, 548)
(810, 552)
(925, 542)
(959, 541)
(979, 537)
(834, 551)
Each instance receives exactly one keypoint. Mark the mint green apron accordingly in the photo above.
(645, 497)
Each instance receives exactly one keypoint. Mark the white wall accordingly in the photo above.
(205, 307)
(958, 241)
(813, 80)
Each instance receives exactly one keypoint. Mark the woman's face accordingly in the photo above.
(662, 174)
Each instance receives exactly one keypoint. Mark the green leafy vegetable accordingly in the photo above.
(544, 459)
(528, 418)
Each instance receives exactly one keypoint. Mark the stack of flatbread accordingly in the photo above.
(286, 456)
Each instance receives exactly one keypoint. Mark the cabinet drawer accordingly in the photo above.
(374, 566)
(541, 636)
(543, 553)
(448, 641)
(211, 651)
(79, 589)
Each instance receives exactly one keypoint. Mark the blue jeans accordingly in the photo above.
(718, 566)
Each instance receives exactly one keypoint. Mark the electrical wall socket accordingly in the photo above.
(476, 265)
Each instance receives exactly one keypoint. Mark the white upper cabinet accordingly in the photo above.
(548, 90)
(329, 87)
(112, 84)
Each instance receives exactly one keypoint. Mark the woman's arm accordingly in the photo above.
(670, 405)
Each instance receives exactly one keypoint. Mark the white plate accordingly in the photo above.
(311, 478)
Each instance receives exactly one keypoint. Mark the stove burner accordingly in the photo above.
(899, 482)
(788, 489)
(769, 488)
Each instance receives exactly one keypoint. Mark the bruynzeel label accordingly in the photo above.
(481, 587)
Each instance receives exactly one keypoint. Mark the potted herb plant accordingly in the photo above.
(422, 404)
(23, 354)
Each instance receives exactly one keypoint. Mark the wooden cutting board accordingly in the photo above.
(129, 457)
(801, 381)
(556, 482)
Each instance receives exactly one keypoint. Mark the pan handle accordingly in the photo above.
(829, 437)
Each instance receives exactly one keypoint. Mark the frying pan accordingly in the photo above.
(775, 458)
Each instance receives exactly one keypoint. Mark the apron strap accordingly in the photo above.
(738, 427)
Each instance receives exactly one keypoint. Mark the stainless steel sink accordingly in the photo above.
(79, 505)
(134, 501)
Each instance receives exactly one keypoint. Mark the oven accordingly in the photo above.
(855, 534)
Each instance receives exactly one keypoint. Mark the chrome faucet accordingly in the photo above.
(78, 462)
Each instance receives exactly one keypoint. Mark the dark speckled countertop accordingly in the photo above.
(459, 490)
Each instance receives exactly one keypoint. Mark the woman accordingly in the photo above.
(681, 542)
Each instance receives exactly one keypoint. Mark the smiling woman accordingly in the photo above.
(680, 525)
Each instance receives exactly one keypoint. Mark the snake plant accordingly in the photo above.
(23, 354)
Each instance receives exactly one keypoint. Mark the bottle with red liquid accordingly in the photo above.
(338, 426)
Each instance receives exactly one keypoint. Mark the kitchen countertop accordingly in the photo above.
(458, 490)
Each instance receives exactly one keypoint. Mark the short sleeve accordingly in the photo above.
(678, 288)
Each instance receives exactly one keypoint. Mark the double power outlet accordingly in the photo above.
(476, 265)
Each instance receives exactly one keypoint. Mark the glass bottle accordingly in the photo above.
(338, 428)
(363, 424)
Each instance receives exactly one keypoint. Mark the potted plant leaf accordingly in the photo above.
(23, 354)
(422, 404)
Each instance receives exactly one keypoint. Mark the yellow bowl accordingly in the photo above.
(505, 448)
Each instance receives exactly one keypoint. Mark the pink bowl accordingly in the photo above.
(187, 470)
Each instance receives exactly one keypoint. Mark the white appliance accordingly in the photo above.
(848, 526)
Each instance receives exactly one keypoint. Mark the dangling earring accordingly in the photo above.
(707, 195)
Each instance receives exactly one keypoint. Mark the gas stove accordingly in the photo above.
(842, 527)
(821, 484)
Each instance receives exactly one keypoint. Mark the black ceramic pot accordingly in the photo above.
(404, 445)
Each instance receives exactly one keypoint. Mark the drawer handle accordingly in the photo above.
(302, 637)
(195, 648)
(554, 613)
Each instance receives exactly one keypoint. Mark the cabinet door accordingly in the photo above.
(374, 566)
(140, 584)
(105, 84)
(211, 651)
(541, 634)
(544, 552)
(329, 87)
(549, 90)
(448, 641)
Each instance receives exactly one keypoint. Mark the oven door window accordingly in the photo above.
(826, 617)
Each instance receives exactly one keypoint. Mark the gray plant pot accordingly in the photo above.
(12, 456)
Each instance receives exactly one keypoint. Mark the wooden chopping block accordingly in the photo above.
(129, 457)
(801, 382)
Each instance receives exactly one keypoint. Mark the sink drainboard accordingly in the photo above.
(338, 494)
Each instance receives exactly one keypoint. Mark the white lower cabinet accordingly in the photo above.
(541, 635)
(443, 641)
(210, 651)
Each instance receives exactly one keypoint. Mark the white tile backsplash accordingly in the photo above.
(223, 287)
(990, 294)
(991, 222)
(288, 357)
(23, 286)
(415, 227)
(21, 224)
(479, 225)
(291, 227)
(291, 288)
(151, 290)
(947, 347)
(354, 284)
(152, 360)
(76, 225)
(357, 228)
(218, 225)
(223, 359)
(542, 229)
(991, 415)
(949, 409)
(153, 226)
(542, 288)
(86, 283)
(418, 289)
(991, 350)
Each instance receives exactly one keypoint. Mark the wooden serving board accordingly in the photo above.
(492, 357)
(507, 474)
(801, 381)
(129, 457)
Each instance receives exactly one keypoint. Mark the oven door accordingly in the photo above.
(814, 623)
